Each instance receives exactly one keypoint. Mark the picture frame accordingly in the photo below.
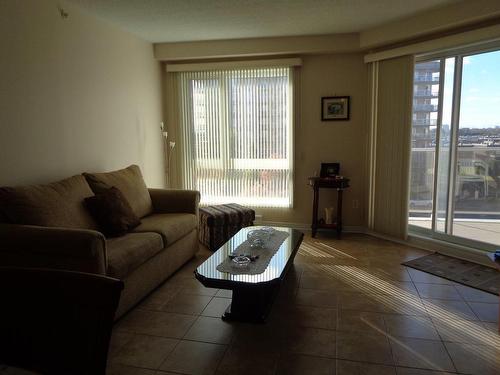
(335, 108)
(329, 170)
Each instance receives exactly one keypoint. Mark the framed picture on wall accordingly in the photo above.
(335, 108)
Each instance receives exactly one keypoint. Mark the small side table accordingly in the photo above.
(329, 183)
(497, 264)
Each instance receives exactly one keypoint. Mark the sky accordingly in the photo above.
(480, 101)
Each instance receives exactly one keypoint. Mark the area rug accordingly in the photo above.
(458, 270)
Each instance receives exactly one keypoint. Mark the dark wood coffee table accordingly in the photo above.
(253, 295)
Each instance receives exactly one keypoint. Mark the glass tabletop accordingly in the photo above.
(278, 262)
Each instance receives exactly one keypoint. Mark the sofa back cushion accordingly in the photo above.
(59, 204)
(130, 182)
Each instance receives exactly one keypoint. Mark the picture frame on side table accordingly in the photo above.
(335, 108)
(329, 170)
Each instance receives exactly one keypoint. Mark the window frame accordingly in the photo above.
(225, 161)
(458, 54)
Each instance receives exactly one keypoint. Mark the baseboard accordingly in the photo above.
(307, 227)
(298, 226)
(442, 247)
(419, 242)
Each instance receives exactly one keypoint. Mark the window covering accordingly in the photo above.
(236, 130)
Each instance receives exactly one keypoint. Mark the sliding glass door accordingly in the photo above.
(455, 158)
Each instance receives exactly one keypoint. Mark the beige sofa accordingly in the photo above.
(48, 226)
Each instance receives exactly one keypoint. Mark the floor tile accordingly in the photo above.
(493, 327)
(359, 368)
(466, 331)
(360, 321)
(318, 298)
(370, 347)
(193, 358)
(118, 369)
(145, 351)
(406, 303)
(259, 338)
(438, 291)
(475, 359)
(187, 304)
(415, 371)
(391, 271)
(424, 277)
(486, 312)
(158, 298)
(213, 330)
(156, 323)
(356, 296)
(118, 339)
(363, 302)
(410, 326)
(224, 293)
(309, 281)
(399, 288)
(216, 307)
(193, 286)
(298, 364)
(304, 316)
(237, 361)
(475, 295)
(310, 341)
(427, 354)
(446, 309)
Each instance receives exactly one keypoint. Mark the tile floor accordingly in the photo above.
(347, 307)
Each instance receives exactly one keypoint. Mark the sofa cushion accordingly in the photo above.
(128, 252)
(59, 204)
(171, 226)
(130, 182)
(112, 212)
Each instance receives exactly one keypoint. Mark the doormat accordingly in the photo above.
(461, 271)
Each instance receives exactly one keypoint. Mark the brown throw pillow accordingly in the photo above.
(112, 212)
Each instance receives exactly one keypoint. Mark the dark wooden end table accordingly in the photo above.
(318, 183)
(253, 295)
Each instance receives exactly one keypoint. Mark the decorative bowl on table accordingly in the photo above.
(241, 260)
(258, 238)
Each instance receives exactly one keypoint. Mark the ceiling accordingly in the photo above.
(193, 20)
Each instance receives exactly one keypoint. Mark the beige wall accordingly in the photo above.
(329, 141)
(76, 95)
(317, 141)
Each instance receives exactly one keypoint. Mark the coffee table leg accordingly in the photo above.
(251, 304)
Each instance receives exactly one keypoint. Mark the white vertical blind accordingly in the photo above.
(237, 135)
(392, 93)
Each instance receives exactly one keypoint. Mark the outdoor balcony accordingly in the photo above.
(425, 94)
(424, 122)
(425, 108)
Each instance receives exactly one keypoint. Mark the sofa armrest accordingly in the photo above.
(175, 201)
(46, 247)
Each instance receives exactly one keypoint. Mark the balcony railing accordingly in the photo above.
(425, 107)
(425, 78)
(425, 122)
(425, 93)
